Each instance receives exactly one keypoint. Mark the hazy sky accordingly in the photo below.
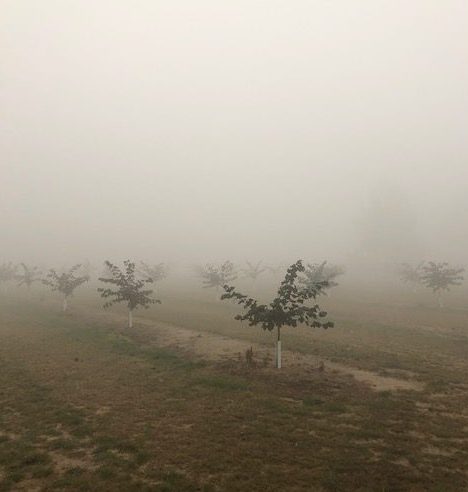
(184, 129)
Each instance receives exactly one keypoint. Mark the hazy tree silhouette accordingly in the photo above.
(65, 282)
(154, 272)
(29, 275)
(128, 288)
(87, 269)
(439, 277)
(319, 277)
(216, 276)
(7, 273)
(275, 269)
(288, 308)
(412, 275)
(253, 270)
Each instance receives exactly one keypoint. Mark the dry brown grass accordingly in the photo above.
(89, 406)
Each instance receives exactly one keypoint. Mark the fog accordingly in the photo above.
(186, 131)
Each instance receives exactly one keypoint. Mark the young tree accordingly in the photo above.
(253, 271)
(288, 308)
(217, 276)
(439, 277)
(411, 274)
(29, 275)
(129, 288)
(320, 277)
(154, 272)
(65, 282)
(7, 273)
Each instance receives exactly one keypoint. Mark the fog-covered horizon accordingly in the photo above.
(265, 130)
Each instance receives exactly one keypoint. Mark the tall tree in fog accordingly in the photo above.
(7, 273)
(128, 288)
(65, 282)
(216, 276)
(441, 277)
(253, 270)
(28, 275)
(320, 277)
(288, 308)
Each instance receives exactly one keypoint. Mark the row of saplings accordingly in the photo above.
(130, 285)
(290, 307)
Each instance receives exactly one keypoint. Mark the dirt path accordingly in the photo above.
(218, 348)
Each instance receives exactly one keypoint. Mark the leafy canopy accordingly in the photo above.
(129, 288)
(65, 282)
(288, 308)
(440, 276)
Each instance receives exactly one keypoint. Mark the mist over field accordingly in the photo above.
(233, 245)
(187, 131)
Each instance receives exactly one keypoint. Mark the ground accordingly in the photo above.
(377, 403)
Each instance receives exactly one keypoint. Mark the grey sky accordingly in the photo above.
(245, 129)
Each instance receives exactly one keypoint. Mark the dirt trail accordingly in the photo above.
(218, 348)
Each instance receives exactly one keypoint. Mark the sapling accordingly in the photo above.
(288, 308)
(29, 275)
(129, 288)
(320, 277)
(217, 276)
(439, 277)
(65, 282)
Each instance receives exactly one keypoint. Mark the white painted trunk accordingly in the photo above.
(65, 304)
(278, 354)
(130, 318)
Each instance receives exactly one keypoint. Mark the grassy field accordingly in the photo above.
(88, 405)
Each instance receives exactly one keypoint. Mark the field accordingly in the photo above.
(378, 403)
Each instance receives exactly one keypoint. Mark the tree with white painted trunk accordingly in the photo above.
(7, 273)
(65, 283)
(28, 275)
(439, 277)
(129, 288)
(288, 308)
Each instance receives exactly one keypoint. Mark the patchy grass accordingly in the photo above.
(86, 406)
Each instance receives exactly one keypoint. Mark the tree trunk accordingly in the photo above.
(278, 350)
(130, 318)
(65, 304)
